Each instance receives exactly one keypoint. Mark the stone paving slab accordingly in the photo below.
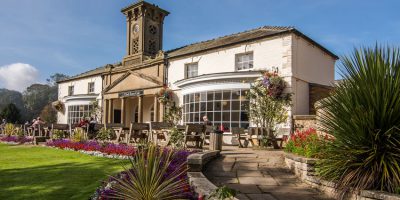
(261, 197)
(258, 174)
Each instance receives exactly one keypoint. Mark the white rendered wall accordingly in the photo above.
(80, 88)
(267, 53)
(311, 64)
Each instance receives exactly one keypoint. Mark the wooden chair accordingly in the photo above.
(119, 131)
(159, 131)
(138, 132)
(208, 130)
(195, 133)
(241, 135)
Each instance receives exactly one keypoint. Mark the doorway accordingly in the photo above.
(117, 116)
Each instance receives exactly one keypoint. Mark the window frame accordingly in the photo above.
(250, 63)
(187, 65)
(89, 84)
(71, 90)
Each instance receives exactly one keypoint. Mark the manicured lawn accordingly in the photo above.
(28, 172)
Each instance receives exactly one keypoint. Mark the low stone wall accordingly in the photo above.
(197, 161)
(196, 164)
(304, 122)
(304, 168)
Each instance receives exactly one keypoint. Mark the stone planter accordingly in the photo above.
(304, 168)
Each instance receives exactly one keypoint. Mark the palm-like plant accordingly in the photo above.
(153, 175)
(363, 114)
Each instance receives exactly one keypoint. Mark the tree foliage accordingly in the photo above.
(363, 116)
(11, 113)
(267, 101)
(49, 114)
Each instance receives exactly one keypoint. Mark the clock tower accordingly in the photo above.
(144, 23)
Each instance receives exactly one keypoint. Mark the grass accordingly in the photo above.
(28, 172)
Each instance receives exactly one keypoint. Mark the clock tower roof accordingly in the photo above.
(140, 3)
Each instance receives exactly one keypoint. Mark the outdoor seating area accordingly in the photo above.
(194, 135)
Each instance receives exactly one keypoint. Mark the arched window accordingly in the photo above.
(152, 114)
(136, 114)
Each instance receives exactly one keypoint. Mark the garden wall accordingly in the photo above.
(304, 122)
(304, 168)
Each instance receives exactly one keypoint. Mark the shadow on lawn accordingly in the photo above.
(59, 181)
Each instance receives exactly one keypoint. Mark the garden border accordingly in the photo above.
(304, 168)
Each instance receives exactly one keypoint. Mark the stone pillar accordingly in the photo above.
(140, 107)
(162, 110)
(105, 111)
(156, 116)
(123, 105)
(110, 111)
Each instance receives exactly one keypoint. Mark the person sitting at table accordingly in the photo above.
(92, 124)
(36, 122)
(206, 121)
(82, 123)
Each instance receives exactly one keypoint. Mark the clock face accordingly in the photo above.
(135, 28)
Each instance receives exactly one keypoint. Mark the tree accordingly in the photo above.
(55, 78)
(48, 114)
(11, 113)
(267, 102)
(36, 97)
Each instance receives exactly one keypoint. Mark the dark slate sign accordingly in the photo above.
(133, 93)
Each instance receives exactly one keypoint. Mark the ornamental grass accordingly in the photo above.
(363, 114)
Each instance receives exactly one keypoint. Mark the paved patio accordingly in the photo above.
(258, 174)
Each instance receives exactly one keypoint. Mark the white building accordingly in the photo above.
(209, 77)
(78, 93)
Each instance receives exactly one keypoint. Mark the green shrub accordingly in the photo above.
(58, 134)
(223, 193)
(79, 135)
(177, 138)
(363, 115)
(9, 129)
(105, 134)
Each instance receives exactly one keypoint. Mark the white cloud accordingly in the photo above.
(18, 76)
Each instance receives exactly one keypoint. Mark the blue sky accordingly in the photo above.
(73, 36)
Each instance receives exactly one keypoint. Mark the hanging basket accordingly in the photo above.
(58, 106)
(165, 95)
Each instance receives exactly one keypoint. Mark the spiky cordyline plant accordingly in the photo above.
(363, 114)
(152, 176)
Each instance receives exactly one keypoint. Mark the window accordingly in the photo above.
(91, 87)
(76, 112)
(226, 107)
(70, 90)
(191, 70)
(244, 61)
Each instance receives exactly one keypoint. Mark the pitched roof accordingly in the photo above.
(246, 36)
(93, 72)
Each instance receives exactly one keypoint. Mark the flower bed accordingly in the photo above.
(307, 143)
(16, 139)
(105, 191)
(93, 146)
